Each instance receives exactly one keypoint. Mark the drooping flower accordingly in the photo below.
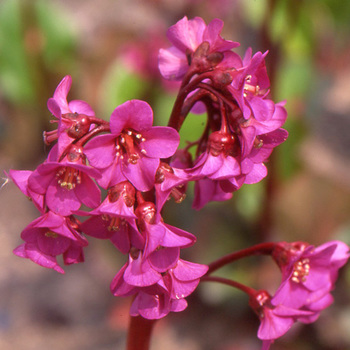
(309, 274)
(133, 149)
(51, 235)
(114, 219)
(187, 37)
(275, 320)
(166, 295)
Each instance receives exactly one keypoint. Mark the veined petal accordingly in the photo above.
(172, 63)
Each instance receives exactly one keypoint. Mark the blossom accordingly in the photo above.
(249, 87)
(170, 181)
(166, 295)
(73, 117)
(66, 185)
(133, 149)
(47, 237)
(275, 320)
(188, 36)
(309, 274)
(114, 219)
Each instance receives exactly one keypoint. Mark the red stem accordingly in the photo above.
(177, 117)
(139, 335)
(258, 249)
(248, 290)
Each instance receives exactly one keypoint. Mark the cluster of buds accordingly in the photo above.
(139, 167)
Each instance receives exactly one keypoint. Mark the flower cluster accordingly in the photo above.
(139, 167)
(243, 125)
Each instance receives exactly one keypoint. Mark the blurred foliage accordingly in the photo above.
(31, 33)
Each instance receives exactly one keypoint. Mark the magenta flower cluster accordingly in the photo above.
(139, 166)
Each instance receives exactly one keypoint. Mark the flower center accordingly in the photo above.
(51, 234)
(115, 222)
(250, 87)
(301, 270)
(126, 143)
(68, 177)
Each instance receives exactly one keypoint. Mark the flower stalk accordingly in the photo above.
(139, 333)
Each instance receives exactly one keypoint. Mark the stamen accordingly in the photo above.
(301, 270)
(250, 87)
(114, 224)
(51, 234)
(68, 177)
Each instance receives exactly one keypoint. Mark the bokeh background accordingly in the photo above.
(110, 49)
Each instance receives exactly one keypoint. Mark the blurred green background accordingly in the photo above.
(110, 49)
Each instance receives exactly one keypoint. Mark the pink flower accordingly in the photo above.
(133, 149)
(250, 85)
(275, 320)
(309, 275)
(166, 295)
(47, 237)
(66, 185)
(73, 116)
(170, 182)
(114, 219)
(186, 37)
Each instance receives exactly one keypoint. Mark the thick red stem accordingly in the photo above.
(139, 335)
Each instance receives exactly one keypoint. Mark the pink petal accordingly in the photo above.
(140, 274)
(61, 92)
(161, 142)
(134, 114)
(88, 192)
(81, 107)
(188, 271)
(164, 259)
(172, 63)
(101, 151)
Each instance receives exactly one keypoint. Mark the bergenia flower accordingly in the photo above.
(186, 37)
(275, 320)
(114, 219)
(250, 85)
(133, 149)
(309, 274)
(47, 237)
(66, 185)
(73, 117)
(167, 295)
